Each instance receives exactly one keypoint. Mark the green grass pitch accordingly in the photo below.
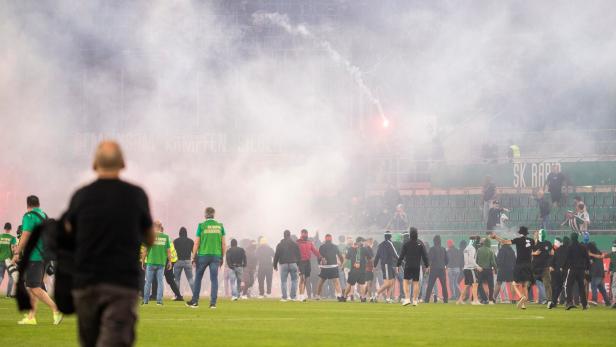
(327, 323)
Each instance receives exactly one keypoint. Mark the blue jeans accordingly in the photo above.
(285, 271)
(235, 277)
(540, 291)
(597, 285)
(203, 262)
(186, 266)
(452, 277)
(150, 272)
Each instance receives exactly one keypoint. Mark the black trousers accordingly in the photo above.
(170, 279)
(265, 276)
(487, 276)
(575, 277)
(557, 285)
(434, 274)
(106, 315)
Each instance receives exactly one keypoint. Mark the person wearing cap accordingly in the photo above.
(387, 255)
(557, 269)
(264, 256)
(7, 247)
(287, 255)
(470, 272)
(329, 264)
(541, 272)
(306, 249)
(494, 215)
(413, 253)
(577, 264)
(358, 255)
(522, 272)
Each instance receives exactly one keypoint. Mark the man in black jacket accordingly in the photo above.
(183, 246)
(288, 256)
(236, 261)
(557, 269)
(577, 264)
(413, 252)
(438, 261)
(387, 255)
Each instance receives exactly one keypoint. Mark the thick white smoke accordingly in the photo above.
(258, 115)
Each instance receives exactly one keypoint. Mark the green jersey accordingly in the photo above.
(157, 253)
(28, 223)
(210, 234)
(7, 241)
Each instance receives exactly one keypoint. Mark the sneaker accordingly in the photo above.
(521, 302)
(569, 307)
(551, 305)
(178, 298)
(159, 303)
(362, 299)
(234, 298)
(415, 303)
(281, 300)
(143, 303)
(406, 302)
(260, 297)
(475, 303)
(506, 302)
(491, 303)
(244, 297)
(593, 303)
(213, 306)
(27, 321)
(584, 307)
(57, 318)
(192, 304)
(303, 299)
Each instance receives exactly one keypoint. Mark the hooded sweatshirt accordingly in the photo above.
(413, 252)
(183, 245)
(577, 256)
(386, 253)
(485, 256)
(438, 255)
(469, 257)
(287, 252)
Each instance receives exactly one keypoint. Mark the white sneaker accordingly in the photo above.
(244, 297)
(260, 297)
(234, 298)
(475, 303)
(406, 302)
(283, 300)
(415, 303)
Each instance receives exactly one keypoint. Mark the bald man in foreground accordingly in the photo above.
(110, 219)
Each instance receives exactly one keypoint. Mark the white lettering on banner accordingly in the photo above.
(538, 174)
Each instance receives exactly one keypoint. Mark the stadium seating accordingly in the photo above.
(464, 212)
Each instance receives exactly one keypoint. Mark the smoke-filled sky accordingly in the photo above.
(216, 106)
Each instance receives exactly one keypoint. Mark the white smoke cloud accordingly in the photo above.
(257, 115)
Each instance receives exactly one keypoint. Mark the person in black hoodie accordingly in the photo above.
(557, 269)
(505, 262)
(387, 255)
(577, 264)
(183, 246)
(236, 261)
(438, 266)
(287, 256)
(413, 253)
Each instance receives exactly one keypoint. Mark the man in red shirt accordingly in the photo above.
(306, 250)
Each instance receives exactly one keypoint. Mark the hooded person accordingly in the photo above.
(387, 256)
(413, 254)
(437, 256)
(577, 264)
(183, 246)
(542, 252)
